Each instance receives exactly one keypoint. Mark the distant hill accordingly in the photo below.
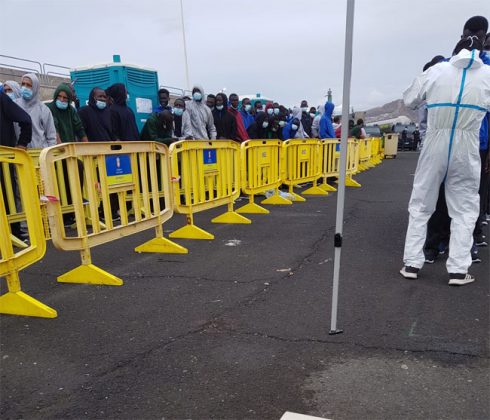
(390, 111)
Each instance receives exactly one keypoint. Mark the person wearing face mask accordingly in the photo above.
(12, 89)
(201, 117)
(69, 127)
(224, 121)
(163, 98)
(246, 114)
(306, 119)
(259, 129)
(269, 109)
(182, 121)
(450, 154)
(122, 116)
(258, 108)
(315, 124)
(96, 117)
(43, 129)
(241, 132)
(159, 127)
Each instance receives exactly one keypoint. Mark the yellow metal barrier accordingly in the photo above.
(206, 175)
(364, 155)
(352, 165)
(302, 163)
(330, 162)
(375, 151)
(17, 164)
(261, 172)
(110, 172)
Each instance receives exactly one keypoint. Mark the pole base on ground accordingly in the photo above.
(191, 232)
(315, 190)
(90, 274)
(19, 303)
(277, 200)
(335, 332)
(252, 208)
(231, 217)
(327, 187)
(162, 246)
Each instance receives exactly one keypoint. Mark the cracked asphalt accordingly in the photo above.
(241, 332)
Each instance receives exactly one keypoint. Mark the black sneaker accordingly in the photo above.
(481, 242)
(475, 259)
(410, 272)
(430, 255)
(457, 279)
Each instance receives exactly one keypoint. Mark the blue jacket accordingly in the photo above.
(288, 132)
(247, 118)
(326, 127)
(484, 132)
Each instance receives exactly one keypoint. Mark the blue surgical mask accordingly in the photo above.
(219, 107)
(270, 111)
(100, 104)
(248, 107)
(11, 95)
(178, 111)
(61, 105)
(197, 96)
(26, 93)
(265, 124)
(294, 127)
(276, 111)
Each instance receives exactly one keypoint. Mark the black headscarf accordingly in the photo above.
(118, 93)
(122, 117)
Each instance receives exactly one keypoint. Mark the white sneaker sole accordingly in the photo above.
(410, 276)
(460, 282)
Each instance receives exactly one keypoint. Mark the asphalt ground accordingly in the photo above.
(238, 328)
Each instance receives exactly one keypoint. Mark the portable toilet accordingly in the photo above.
(141, 84)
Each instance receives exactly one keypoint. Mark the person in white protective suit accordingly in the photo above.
(457, 93)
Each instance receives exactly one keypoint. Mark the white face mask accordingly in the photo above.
(312, 115)
(265, 124)
(294, 127)
(282, 123)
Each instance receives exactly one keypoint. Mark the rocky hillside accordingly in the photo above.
(390, 110)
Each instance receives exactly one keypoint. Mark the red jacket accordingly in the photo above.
(241, 133)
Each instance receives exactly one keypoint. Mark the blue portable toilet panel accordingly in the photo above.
(141, 83)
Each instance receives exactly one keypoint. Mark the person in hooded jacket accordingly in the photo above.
(450, 155)
(123, 121)
(96, 117)
(43, 129)
(159, 127)
(326, 127)
(259, 129)
(201, 117)
(224, 122)
(12, 89)
(69, 127)
(306, 119)
(241, 132)
(182, 121)
(293, 129)
(269, 109)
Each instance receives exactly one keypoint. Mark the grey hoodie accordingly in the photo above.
(43, 129)
(202, 120)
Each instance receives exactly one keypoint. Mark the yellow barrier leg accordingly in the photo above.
(88, 273)
(327, 187)
(17, 242)
(191, 231)
(16, 302)
(296, 197)
(161, 245)
(232, 217)
(252, 207)
(349, 182)
(277, 200)
(315, 190)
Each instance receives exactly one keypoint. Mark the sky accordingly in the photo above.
(287, 50)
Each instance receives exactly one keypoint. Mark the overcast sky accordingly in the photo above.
(287, 50)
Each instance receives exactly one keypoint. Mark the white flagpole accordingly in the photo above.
(188, 86)
(349, 33)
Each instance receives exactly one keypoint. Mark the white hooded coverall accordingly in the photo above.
(458, 95)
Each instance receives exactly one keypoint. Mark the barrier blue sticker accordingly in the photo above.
(210, 159)
(118, 169)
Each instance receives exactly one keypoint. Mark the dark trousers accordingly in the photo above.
(439, 225)
(483, 191)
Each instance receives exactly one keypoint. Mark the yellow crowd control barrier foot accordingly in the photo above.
(315, 190)
(231, 217)
(161, 245)
(349, 182)
(19, 303)
(277, 200)
(90, 274)
(252, 208)
(327, 187)
(297, 197)
(191, 232)
(17, 242)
